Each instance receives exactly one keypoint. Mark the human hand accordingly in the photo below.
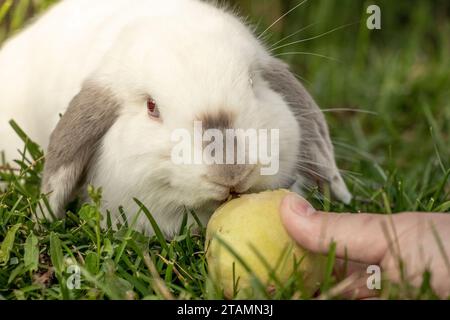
(420, 240)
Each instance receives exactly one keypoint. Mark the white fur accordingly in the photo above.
(188, 55)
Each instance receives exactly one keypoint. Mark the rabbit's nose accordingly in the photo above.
(233, 177)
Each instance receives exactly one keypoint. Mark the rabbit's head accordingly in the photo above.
(165, 82)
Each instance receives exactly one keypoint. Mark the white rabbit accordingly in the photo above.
(124, 75)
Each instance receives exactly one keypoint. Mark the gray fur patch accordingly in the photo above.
(316, 150)
(74, 141)
(224, 174)
(220, 120)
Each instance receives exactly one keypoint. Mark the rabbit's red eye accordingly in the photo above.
(152, 108)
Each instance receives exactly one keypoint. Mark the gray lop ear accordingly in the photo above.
(317, 161)
(74, 141)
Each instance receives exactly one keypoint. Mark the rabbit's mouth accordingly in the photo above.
(234, 195)
(231, 196)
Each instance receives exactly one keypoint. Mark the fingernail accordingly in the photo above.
(300, 206)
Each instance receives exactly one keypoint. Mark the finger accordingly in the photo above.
(358, 288)
(358, 237)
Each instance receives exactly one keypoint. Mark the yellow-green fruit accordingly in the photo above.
(251, 226)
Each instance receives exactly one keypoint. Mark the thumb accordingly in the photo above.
(358, 237)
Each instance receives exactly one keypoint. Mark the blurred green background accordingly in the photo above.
(398, 77)
(401, 72)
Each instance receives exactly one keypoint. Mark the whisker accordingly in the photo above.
(281, 18)
(362, 153)
(293, 34)
(350, 175)
(306, 54)
(314, 37)
(301, 78)
(311, 171)
(342, 110)
(315, 164)
(348, 172)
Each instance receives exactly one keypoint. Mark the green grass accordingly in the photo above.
(394, 153)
